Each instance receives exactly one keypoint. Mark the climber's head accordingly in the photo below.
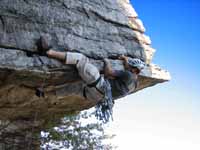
(136, 65)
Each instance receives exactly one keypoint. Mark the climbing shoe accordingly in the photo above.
(43, 46)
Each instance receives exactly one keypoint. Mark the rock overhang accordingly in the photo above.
(95, 28)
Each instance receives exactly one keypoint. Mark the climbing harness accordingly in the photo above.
(92, 85)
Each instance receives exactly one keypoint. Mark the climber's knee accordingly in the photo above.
(75, 58)
(88, 72)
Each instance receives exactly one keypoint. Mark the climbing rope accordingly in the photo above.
(104, 109)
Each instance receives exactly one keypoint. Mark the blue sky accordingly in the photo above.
(174, 30)
(165, 116)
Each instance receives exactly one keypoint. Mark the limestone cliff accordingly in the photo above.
(96, 28)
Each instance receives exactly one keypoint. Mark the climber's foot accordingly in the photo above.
(43, 46)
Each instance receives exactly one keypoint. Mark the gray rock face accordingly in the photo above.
(97, 28)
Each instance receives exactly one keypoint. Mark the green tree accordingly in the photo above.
(77, 132)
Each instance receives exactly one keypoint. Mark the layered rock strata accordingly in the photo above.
(97, 28)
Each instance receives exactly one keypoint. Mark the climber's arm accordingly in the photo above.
(111, 73)
(108, 71)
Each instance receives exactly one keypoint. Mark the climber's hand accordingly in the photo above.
(122, 57)
(125, 61)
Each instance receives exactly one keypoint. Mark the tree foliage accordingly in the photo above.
(77, 132)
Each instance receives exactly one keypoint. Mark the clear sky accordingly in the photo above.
(166, 116)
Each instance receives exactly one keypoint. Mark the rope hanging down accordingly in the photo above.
(104, 109)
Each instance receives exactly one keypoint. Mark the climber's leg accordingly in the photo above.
(56, 54)
(108, 71)
(74, 58)
(88, 72)
(68, 57)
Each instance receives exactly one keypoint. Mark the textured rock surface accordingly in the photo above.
(96, 28)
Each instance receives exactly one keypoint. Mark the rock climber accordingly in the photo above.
(125, 81)
(114, 84)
